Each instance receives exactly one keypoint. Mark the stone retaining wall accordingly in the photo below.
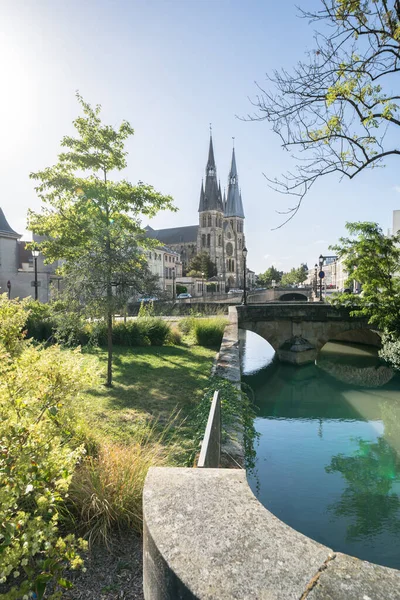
(207, 537)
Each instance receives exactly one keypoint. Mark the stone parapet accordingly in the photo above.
(207, 537)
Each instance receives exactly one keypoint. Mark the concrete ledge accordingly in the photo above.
(207, 537)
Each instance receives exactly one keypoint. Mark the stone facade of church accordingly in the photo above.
(220, 231)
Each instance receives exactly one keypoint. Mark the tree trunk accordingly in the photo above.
(110, 347)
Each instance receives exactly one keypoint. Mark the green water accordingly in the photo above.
(328, 457)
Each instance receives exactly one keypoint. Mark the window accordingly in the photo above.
(203, 240)
(220, 240)
(204, 220)
(209, 220)
(240, 243)
(208, 240)
(238, 226)
(231, 223)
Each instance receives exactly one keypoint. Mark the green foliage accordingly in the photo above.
(295, 276)
(91, 223)
(338, 109)
(202, 263)
(373, 259)
(180, 289)
(237, 417)
(209, 332)
(390, 351)
(37, 457)
(271, 274)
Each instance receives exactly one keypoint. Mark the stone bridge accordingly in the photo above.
(279, 294)
(297, 331)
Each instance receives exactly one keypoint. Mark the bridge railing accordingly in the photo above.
(210, 453)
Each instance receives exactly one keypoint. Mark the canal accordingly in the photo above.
(328, 455)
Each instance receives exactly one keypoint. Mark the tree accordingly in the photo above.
(340, 109)
(202, 263)
(295, 276)
(373, 259)
(92, 223)
(271, 274)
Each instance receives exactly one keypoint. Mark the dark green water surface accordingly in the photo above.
(328, 457)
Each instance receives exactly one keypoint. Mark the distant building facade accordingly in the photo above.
(166, 265)
(220, 231)
(17, 266)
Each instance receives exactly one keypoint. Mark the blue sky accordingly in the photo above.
(171, 67)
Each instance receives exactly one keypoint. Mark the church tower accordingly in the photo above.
(234, 240)
(211, 213)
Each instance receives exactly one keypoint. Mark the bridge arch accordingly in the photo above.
(293, 297)
(298, 330)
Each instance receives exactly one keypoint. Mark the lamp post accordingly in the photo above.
(9, 289)
(321, 262)
(202, 284)
(35, 254)
(173, 284)
(244, 252)
(316, 280)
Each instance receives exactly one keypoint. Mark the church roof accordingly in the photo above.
(210, 194)
(234, 205)
(174, 235)
(5, 229)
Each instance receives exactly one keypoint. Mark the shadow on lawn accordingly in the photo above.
(155, 381)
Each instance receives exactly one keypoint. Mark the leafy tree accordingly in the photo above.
(295, 276)
(91, 222)
(340, 108)
(202, 263)
(269, 275)
(373, 259)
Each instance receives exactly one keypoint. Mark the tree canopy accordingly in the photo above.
(338, 111)
(271, 274)
(92, 223)
(202, 263)
(295, 276)
(373, 259)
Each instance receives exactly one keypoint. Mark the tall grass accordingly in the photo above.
(106, 490)
(209, 332)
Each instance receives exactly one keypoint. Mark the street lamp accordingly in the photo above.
(244, 252)
(321, 262)
(35, 254)
(173, 284)
(316, 280)
(202, 284)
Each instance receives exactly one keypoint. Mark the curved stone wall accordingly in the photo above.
(207, 537)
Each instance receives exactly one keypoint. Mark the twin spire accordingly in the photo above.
(210, 194)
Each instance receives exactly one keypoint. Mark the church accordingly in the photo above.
(220, 230)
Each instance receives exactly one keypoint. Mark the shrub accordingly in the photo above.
(391, 351)
(209, 332)
(155, 329)
(36, 460)
(186, 325)
(174, 337)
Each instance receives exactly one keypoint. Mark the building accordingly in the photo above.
(17, 266)
(220, 231)
(166, 265)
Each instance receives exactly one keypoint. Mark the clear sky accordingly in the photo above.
(171, 67)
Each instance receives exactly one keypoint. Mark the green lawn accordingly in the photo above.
(150, 385)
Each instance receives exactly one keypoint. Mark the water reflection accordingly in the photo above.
(328, 455)
(368, 499)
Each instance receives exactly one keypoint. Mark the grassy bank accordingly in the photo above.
(150, 385)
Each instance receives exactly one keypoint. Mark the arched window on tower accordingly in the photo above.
(204, 221)
(209, 220)
(203, 240)
(232, 224)
(233, 265)
(238, 226)
(220, 240)
(208, 240)
(240, 243)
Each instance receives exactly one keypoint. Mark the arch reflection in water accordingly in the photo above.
(328, 456)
